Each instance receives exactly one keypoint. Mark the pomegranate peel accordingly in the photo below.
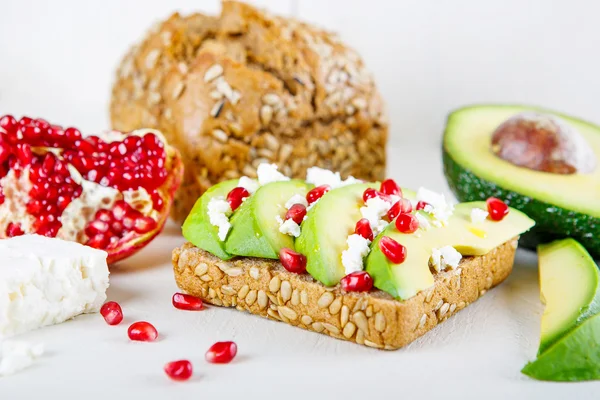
(58, 183)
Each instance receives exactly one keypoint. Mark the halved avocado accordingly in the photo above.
(562, 205)
(197, 227)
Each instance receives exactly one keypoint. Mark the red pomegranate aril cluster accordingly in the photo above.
(292, 261)
(363, 228)
(236, 197)
(497, 209)
(180, 370)
(112, 313)
(142, 331)
(394, 251)
(296, 213)
(316, 193)
(359, 281)
(221, 352)
(407, 223)
(187, 302)
(108, 226)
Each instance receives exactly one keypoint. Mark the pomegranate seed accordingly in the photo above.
(4, 152)
(72, 135)
(221, 352)
(103, 215)
(496, 208)
(179, 370)
(369, 194)
(14, 229)
(142, 331)
(394, 211)
(292, 261)
(407, 223)
(24, 154)
(120, 209)
(359, 281)
(144, 225)
(187, 302)
(96, 227)
(393, 250)
(296, 213)
(236, 196)
(421, 205)
(363, 228)
(7, 122)
(390, 187)
(316, 193)
(112, 313)
(84, 147)
(99, 241)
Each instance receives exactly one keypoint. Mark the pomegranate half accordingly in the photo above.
(112, 191)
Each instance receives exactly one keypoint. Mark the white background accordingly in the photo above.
(57, 58)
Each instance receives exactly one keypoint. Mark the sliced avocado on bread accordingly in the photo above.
(538, 161)
(570, 336)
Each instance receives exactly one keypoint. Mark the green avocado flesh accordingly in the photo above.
(405, 280)
(561, 205)
(327, 226)
(254, 226)
(197, 228)
(569, 288)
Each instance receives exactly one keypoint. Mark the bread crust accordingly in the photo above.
(248, 87)
(373, 319)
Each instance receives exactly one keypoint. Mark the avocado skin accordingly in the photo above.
(557, 224)
(575, 357)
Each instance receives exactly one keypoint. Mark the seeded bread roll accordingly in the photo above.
(374, 319)
(248, 87)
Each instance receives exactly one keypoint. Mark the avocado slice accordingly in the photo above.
(254, 226)
(326, 228)
(405, 280)
(561, 205)
(575, 357)
(197, 228)
(569, 286)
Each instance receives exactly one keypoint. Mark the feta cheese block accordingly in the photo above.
(46, 281)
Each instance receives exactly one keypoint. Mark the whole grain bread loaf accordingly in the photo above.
(248, 87)
(374, 319)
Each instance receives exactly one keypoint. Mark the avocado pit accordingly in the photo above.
(543, 142)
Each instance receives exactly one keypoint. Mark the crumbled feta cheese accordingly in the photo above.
(423, 221)
(296, 199)
(251, 185)
(375, 208)
(16, 356)
(218, 214)
(289, 227)
(478, 215)
(268, 173)
(320, 176)
(437, 205)
(352, 257)
(445, 257)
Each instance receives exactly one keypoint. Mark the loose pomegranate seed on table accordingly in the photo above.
(61, 181)
(296, 213)
(221, 352)
(292, 261)
(359, 281)
(236, 196)
(142, 331)
(316, 193)
(407, 223)
(394, 251)
(180, 370)
(112, 313)
(390, 187)
(363, 228)
(187, 302)
(497, 209)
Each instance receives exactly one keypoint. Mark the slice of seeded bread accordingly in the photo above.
(374, 319)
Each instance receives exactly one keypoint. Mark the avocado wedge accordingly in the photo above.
(563, 205)
(197, 227)
(404, 280)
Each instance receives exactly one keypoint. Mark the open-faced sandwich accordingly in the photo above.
(367, 262)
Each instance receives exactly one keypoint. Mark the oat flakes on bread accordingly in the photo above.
(374, 319)
(247, 87)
